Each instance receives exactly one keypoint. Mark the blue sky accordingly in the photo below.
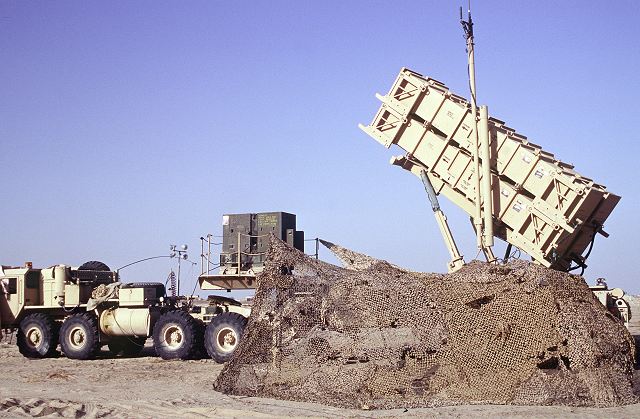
(127, 126)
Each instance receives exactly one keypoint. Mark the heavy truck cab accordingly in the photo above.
(35, 302)
(14, 293)
(25, 289)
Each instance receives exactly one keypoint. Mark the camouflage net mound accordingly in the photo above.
(372, 335)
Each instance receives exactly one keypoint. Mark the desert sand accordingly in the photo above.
(148, 387)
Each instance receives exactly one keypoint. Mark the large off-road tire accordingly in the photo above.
(127, 346)
(79, 336)
(94, 265)
(176, 335)
(223, 335)
(38, 336)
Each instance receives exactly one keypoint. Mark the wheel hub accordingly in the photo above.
(77, 337)
(173, 336)
(34, 337)
(227, 339)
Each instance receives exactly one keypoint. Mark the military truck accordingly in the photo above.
(85, 308)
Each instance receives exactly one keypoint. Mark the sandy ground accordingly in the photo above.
(149, 387)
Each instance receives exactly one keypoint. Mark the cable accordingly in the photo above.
(515, 254)
(129, 337)
(593, 240)
(171, 274)
(142, 260)
(72, 309)
(215, 265)
(585, 257)
(194, 289)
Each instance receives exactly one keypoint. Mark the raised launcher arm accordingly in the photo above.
(540, 204)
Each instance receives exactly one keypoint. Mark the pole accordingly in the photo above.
(239, 254)
(179, 258)
(467, 26)
(202, 258)
(209, 253)
(486, 176)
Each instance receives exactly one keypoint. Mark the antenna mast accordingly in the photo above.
(484, 236)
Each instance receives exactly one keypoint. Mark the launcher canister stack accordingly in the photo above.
(540, 204)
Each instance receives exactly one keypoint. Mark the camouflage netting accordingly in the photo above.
(373, 335)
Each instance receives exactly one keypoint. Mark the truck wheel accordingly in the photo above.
(93, 265)
(127, 346)
(223, 334)
(79, 336)
(38, 336)
(175, 336)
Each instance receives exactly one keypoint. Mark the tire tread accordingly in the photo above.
(89, 321)
(191, 331)
(48, 326)
(235, 320)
